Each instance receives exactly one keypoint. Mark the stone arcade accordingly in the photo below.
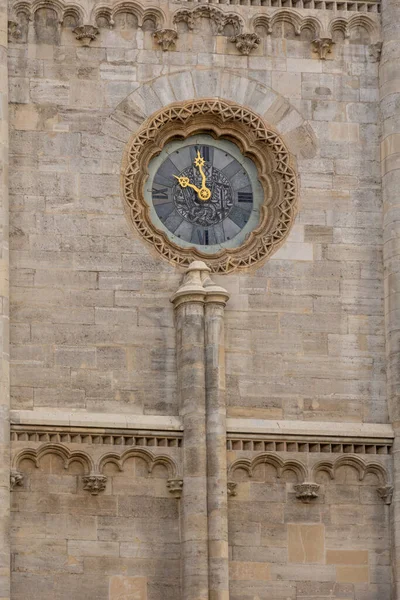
(200, 279)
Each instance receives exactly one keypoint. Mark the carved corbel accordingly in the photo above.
(94, 483)
(232, 488)
(386, 493)
(166, 38)
(175, 487)
(16, 478)
(14, 31)
(323, 47)
(306, 491)
(375, 51)
(86, 34)
(246, 42)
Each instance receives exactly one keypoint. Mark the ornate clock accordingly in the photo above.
(203, 193)
(208, 180)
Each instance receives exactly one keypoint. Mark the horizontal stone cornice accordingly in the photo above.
(299, 430)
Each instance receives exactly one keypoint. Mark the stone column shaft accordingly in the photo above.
(217, 499)
(189, 323)
(199, 321)
(389, 82)
(4, 319)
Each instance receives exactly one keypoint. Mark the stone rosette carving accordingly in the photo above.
(306, 491)
(175, 487)
(254, 138)
(94, 483)
(386, 493)
(246, 42)
(323, 47)
(86, 34)
(16, 479)
(166, 38)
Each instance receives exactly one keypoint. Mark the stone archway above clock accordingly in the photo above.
(153, 95)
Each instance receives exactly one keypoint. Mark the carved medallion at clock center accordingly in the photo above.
(204, 192)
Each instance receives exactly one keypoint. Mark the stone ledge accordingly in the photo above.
(310, 430)
(95, 420)
(305, 429)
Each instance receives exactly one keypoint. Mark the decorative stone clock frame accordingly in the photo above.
(255, 139)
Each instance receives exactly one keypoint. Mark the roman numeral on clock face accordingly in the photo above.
(200, 236)
(161, 194)
(245, 197)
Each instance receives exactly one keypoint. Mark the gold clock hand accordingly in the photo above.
(204, 193)
(199, 163)
(185, 182)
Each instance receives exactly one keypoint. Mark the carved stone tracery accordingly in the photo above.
(93, 478)
(307, 488)
(245, 128)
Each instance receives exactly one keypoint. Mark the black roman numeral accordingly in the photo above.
(245, 197)
(160, 194)
(201, 236)
(205, 152)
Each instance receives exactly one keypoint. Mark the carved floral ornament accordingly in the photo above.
(218, 118)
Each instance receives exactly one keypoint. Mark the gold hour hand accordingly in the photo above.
(185, 182)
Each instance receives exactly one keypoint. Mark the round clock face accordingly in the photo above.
(204, 193)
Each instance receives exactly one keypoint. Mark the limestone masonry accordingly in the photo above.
(177, 425)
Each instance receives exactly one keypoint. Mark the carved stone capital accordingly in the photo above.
(192, 289)
(16, 478)
(232, 488)
(246, 42)
(166, 38)
(94, 483)
(306, 491)
(198, 286)
(175, 487)
(386, 493)
(323, 47)
(86, 34)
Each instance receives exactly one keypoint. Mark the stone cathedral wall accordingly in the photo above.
(96, 509)
(92, 325)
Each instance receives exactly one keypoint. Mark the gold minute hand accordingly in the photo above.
(204, 193)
